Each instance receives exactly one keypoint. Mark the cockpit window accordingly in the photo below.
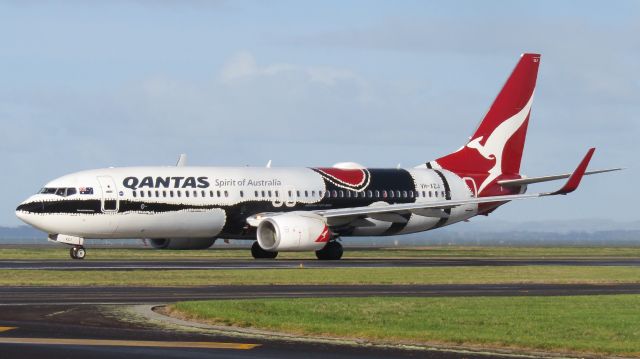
(60, 191)
(48, 190)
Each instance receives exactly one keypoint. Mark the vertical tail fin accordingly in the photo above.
(496, 146)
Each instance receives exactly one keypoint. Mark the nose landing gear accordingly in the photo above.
(77, 252)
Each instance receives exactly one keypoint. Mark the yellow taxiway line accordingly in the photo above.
(128, 343)
(4, 329)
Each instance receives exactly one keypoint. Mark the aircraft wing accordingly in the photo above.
(530, 180)
(434, 209)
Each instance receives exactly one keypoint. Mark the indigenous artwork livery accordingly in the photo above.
(300, 209)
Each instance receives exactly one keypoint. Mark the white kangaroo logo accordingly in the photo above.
(494, 146)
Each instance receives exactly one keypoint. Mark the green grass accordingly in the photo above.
(346, 276)
(62, 252)
(596, 324)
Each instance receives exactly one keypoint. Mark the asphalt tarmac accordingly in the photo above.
(130, 295)
(81, 322)
(68, 264)
(99, 331)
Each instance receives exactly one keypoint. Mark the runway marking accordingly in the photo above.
(129, 343)
(6, 329)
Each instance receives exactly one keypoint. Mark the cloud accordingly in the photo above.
(243, 66)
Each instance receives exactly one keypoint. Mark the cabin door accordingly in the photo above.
(109, 202)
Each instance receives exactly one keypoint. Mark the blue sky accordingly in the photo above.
(88, 85)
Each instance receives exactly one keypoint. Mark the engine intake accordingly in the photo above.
(293, 231)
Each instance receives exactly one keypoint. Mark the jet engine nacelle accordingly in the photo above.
(182, 243)
(295, 231)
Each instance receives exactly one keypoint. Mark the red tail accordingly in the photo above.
(495, 148)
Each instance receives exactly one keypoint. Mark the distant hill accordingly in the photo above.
(588, 232)
(21, 233)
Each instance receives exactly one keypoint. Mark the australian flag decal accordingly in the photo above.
(86, 190)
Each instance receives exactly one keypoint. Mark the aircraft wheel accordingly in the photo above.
(80, 253)
(332, 251)
(258, 253)
(77, 252)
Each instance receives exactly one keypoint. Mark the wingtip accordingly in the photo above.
(574, 180)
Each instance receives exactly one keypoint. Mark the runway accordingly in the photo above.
(129, 295)
(87, 331)
(80, 322)
(69, 264)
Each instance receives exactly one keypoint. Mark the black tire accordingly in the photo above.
(332, 251)
(72, 253)
(258, 253)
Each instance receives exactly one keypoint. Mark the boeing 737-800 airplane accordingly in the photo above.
(300, 209)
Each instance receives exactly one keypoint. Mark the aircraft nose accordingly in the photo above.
(26, 208)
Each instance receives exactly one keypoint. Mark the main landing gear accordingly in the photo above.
(77, 252)
(332, 251)
(258, 253)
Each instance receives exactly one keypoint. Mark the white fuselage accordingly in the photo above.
(210, 202)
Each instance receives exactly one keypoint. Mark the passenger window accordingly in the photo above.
(149, 194)
(290, 194)
(226, 193)
(170, 193)
(341, 194)
(298, 194)
(141, 193)
(135, 194)
(404, 194)
(195, 193)
(179, 193)
(210, 193)
(398, 194)
(218, 193)
(313, 193)
(269, 192)
(164, 193)
(391, 194)
(369, 194)
(256, 193)
(436, 193)
(334, 194)
(277, 194)
(157, 193)
(241, 194)
(186, 193)
(443, 194)
(203, 193)
(306, 194)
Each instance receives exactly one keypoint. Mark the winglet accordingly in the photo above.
(576, 176)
